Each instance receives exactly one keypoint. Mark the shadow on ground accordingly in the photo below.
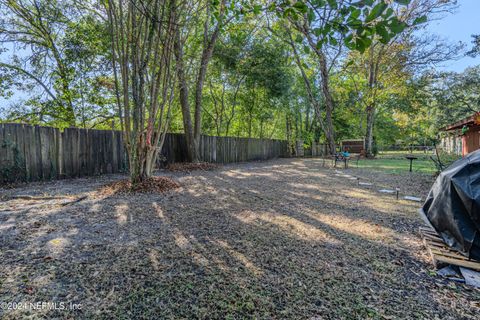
(278, 239)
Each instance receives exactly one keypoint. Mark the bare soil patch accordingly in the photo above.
(284, 239)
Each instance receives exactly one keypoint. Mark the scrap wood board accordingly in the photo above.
(441, 254)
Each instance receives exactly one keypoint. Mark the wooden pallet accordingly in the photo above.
(443, 255)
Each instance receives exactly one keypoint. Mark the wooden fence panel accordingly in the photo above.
(9, 136)
(65, 147)
(40, 153)
(3, 149)
(30, 165)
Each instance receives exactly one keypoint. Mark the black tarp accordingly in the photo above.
(453, 205)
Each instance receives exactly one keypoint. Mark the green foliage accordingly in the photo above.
(357, 23)
(62, 56)
(475, 51)
(454, 95)
(248, 87)
(253, 85)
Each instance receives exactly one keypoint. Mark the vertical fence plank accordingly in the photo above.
(27, 149)
(91, 152)
(85, 152)
(58, 150)
(52, 153)
(67, 164)
(113, 164)
(3, 148)
(38, 152)
(35, 168)
(8, 143)
(20, 149)
(120, 151)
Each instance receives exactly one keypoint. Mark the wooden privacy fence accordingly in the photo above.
(223, 149)
(319, 150)
(314, 150)
(30, 153)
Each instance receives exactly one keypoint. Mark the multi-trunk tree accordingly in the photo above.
(142, 37)
(203, 20)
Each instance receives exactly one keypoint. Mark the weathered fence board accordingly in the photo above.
(30, 153)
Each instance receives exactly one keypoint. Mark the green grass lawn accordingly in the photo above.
(397, 165)
(395, 162)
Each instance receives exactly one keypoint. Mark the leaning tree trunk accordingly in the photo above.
(330, 136)
(327, 125)
(370, 108)
(209, 44)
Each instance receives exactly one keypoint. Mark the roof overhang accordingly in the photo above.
(469, 121)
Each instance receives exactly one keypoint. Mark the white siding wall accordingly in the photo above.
(452, 144)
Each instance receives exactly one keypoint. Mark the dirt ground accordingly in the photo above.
(278, 239)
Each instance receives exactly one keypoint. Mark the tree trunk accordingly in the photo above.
(370, 107)
(250, 119)
(288, 133)
(142, 164)
(327, 125)
(369, 130)
(329, 104)
(193, 133)
(202, 72)
(184, 103)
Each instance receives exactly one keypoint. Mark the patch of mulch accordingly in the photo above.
(151, 185)
(191, 166)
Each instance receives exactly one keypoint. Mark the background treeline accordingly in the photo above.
(265, 77)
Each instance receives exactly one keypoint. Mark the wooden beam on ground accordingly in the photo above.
(441, 254)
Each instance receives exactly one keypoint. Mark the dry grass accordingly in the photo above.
(191, 166)
(151, 185)
(284, 239)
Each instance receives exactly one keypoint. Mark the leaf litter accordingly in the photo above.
(276, 239)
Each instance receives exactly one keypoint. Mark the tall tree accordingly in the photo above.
(322, 26)
(142, 36)
(37, 27)
(58, 50)
(456, 95)
(210, 17)
(475, 51)
(391, 56)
